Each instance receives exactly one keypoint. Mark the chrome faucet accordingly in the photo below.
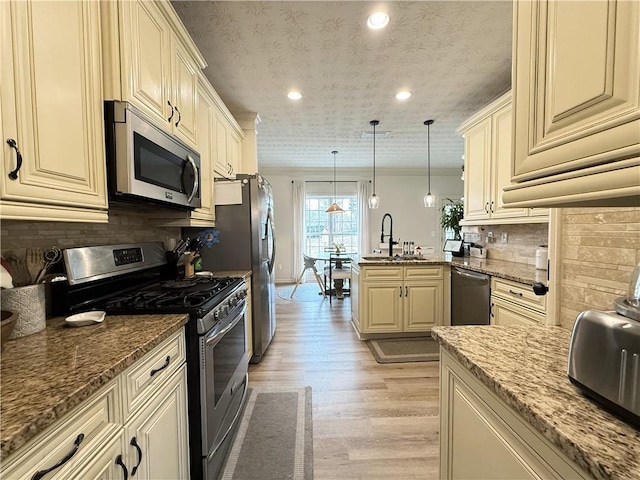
(382, 235)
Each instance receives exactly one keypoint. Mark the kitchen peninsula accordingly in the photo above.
(407, 296)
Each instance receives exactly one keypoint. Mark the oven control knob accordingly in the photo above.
(216, 315)
(224, 311)
(242, 294)
(233, 302)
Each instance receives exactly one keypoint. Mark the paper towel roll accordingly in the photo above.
(29, 302)
(542, 258)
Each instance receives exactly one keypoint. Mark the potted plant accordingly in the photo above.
(452, 213)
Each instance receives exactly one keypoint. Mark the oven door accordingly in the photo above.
(223, 378)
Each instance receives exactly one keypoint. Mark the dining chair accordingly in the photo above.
(309, 264)
(339, 268)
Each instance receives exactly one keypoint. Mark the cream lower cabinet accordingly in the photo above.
(515, 303)
(52, 127)
(399, 299)
(156, 438)
(576, 96)
(481, 437)
(152, 62)
(354, 285)
(487, 167)
(97, 437)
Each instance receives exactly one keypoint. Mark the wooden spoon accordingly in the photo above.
(35, 262)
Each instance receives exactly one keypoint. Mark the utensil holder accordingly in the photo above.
(29, 302)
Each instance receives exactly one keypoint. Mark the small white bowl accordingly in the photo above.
(86, 318)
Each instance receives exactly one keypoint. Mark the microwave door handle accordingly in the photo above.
(195, 176)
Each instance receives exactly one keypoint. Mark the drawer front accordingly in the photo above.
(509, 313)
(519, 293)
(143, 378)
(423, 273)
(87, 426)
(381, 273)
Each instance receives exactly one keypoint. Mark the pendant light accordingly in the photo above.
(374, 200)
(429, 199)
(334, 207)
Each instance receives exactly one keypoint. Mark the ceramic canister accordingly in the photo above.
(29, 303)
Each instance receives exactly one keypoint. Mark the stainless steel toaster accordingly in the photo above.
(604, 361)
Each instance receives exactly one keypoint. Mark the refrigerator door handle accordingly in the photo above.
(271, 233)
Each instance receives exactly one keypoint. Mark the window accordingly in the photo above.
(322, 229)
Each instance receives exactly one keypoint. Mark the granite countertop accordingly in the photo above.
(45, 375)
(517, 272)
(526, 367)
(245, 274)
(377, 259)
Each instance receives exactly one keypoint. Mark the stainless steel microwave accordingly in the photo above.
(145, 163)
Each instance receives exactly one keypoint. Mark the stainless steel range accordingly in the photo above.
(135, 279)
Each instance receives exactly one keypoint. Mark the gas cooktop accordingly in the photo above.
(194, 295)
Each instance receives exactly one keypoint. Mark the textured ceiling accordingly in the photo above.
(454, 56)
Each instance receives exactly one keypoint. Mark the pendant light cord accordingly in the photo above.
(428, 124)
(374, 123)
(334, 175)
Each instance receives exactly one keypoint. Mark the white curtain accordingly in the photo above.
(363, 224)
(299, 194)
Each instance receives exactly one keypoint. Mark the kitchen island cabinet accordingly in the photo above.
(576, 101)
(113, 394)
(52, 127)
(399, 298)
(508, 410)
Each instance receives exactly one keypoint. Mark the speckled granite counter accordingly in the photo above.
(45, 375)
(245, 274)
(518, 272)
(526, 367)
(384, 260)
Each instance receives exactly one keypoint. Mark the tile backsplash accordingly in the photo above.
(521, 244)
(123, 227)
(600, 248)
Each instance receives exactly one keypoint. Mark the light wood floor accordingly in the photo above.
(370, 421)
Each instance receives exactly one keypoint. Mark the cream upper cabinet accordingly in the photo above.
(229, 138)
(576, 87)
(487, 167)
(53, 157)
(151, 61)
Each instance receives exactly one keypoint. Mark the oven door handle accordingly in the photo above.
(214, 338)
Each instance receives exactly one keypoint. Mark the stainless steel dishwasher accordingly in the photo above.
(470, 297)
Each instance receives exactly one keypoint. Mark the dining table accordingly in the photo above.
(338, 259)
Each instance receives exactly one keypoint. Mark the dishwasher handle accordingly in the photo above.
(476, 276)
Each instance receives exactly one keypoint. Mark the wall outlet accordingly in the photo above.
(279, 266)
(504, 237)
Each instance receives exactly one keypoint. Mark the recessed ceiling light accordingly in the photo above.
(403, 95)
(378, 20)
(294, 95)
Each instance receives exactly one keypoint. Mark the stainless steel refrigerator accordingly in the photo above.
(246, 237)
